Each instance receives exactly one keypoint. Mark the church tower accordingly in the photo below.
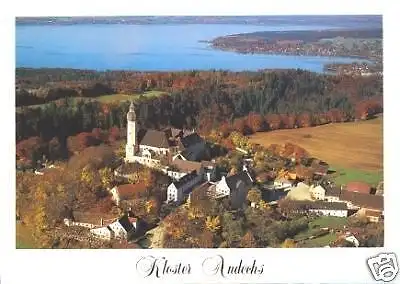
(131, 137)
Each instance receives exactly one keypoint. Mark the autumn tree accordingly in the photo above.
(55, 149)
(254, 196)
(81, 141)
(289, 243)
(248, 241)
(30, 149)
(114, 134)
(232, 230)
(87, 176)
(239, 124)
(273, 121)
(106, 177)
(256, 122)
(213, 224)
(176, 224)
(206, 239)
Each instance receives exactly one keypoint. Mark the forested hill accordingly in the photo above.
(247, 101)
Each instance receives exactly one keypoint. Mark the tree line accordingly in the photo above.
(246, 102)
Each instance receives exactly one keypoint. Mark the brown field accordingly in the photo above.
(356, 145)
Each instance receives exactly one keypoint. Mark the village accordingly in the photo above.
(191, 184)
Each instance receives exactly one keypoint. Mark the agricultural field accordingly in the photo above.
(353, 149)
(122, 97)
(114, 98)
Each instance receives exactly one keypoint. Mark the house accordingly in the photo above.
(105, 233)
(126, 170)
(209, 170)
(202, 192)
(150, 147)
(282, 183)
(179, 168)
(368, 205)
(337, 209)
(178, 190)
(332, 194)
(121, 228)
(128, 192)
(321, 170)
(235, 187)
(317, 192)
(352, 239)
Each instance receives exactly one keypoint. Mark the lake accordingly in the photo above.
(150, 48)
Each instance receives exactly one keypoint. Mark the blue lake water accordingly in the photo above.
(149, 48)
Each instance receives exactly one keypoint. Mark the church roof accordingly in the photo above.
(234, 181)
(187, 166)
(155, 138)
(191, 139)
(125, 223)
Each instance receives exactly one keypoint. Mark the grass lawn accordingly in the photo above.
(319, 242)
(123, 97)
(314, 227)
(112, 98)
(24, 239)
(343, 176)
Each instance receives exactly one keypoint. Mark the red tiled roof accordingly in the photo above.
(187, 166)
(357, 186)
(363, 200)
(131, 190)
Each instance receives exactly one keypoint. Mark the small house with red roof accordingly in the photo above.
(128, 192)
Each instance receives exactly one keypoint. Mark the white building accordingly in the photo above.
(337, 209)
(282, 184)
(178, 190)
(180, 168)
(334, 209)
(119, 229)
(332, 194)
(317, 192)
(104, 233)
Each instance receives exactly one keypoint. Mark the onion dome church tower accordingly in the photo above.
(131, 127)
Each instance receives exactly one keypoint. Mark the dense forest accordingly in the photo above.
(243, 101)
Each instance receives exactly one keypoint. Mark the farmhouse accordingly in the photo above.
(368, 205)
(150, 147)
